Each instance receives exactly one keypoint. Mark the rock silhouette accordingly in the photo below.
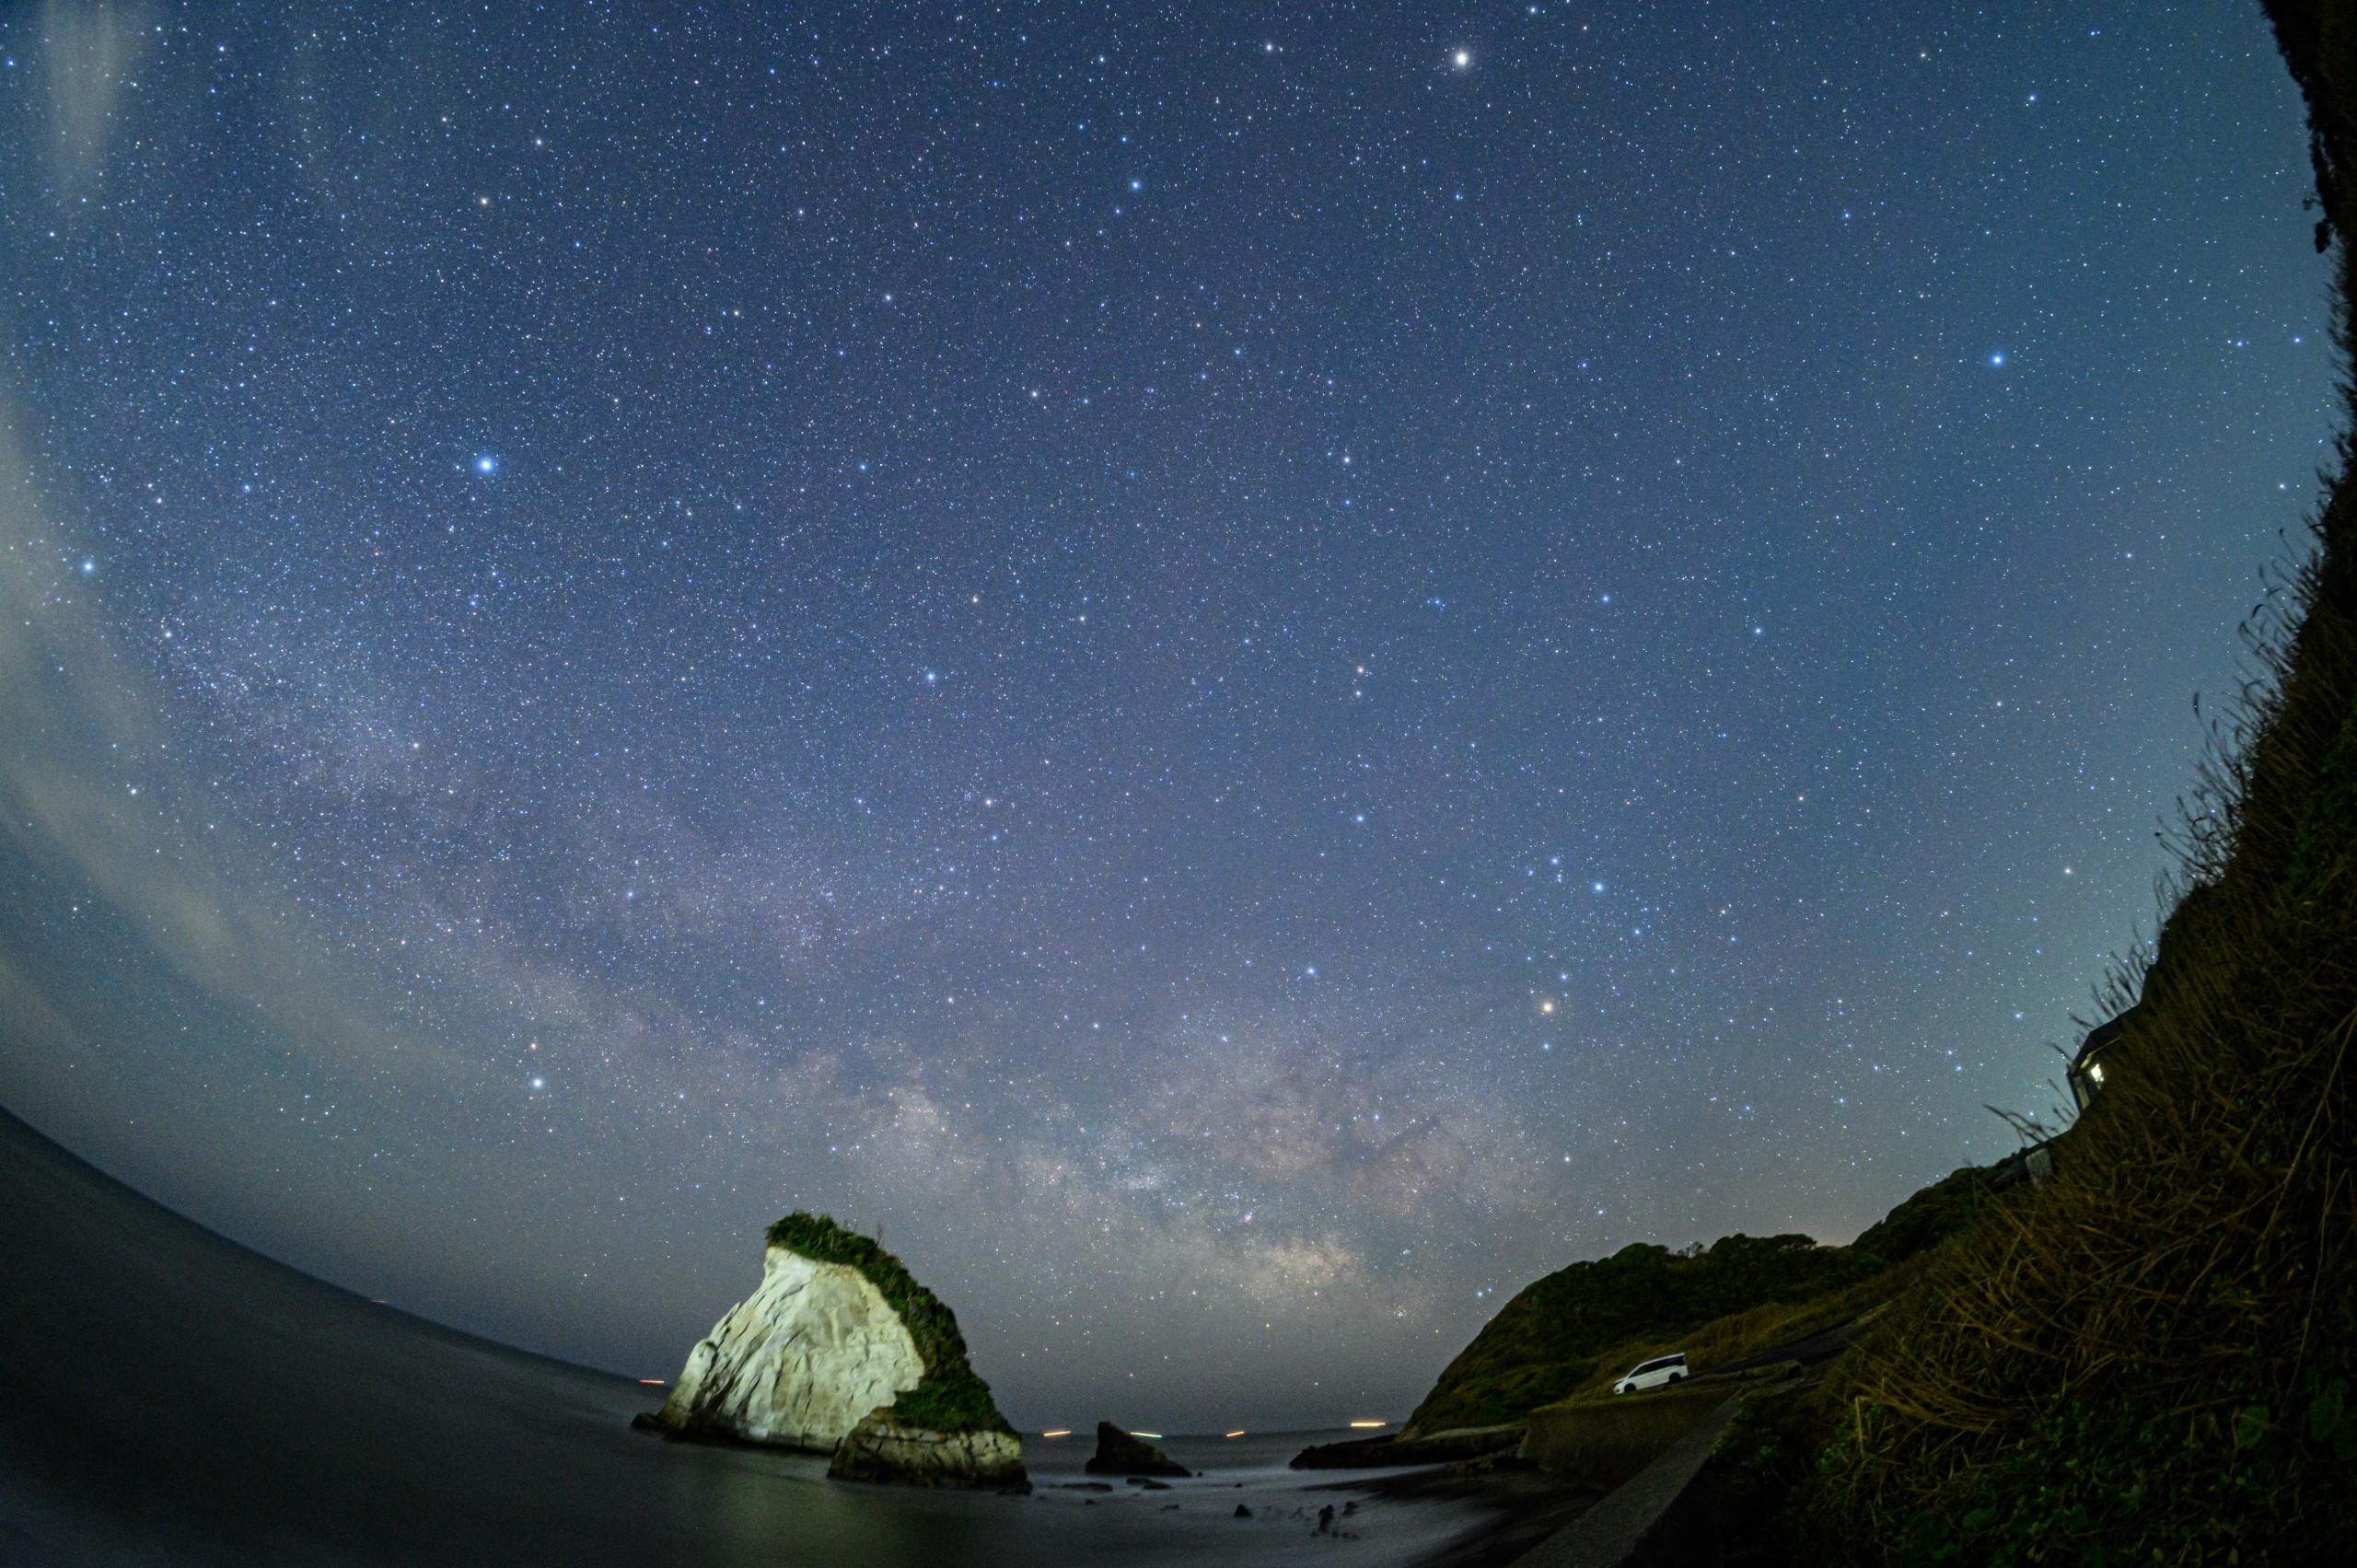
(1117, 1453)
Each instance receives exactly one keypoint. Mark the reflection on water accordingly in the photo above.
(169, 1398)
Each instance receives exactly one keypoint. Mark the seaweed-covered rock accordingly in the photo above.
(1439, 1448)
(1117, 1453)
(841, 1351)
(881, 1448)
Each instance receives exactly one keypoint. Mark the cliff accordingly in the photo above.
(841, 1351)
(2148, 1358)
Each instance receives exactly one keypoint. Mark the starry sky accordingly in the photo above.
(1245, 674)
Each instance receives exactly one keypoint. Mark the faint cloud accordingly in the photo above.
(89, 785)
(93, 53)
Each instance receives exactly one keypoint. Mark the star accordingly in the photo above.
(430, 733)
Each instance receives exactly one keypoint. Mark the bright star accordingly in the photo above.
(486, 464)
(1463, 58)
(1996, 359)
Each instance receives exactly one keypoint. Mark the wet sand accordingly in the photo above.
(168, 1397)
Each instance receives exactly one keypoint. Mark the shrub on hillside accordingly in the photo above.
(1547, 1342)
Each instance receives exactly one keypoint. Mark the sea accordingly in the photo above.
(169, 1396)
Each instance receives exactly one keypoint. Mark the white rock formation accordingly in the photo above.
(800, 1362)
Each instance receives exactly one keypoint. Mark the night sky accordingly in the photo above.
(1248, 675)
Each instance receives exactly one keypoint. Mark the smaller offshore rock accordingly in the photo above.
(1117, 1453)
(881, 1448)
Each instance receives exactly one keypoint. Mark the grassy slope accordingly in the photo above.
(2151, 1358)
(950, 1398)
(1583, 1325)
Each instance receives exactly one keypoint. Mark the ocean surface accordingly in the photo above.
(170, 1397)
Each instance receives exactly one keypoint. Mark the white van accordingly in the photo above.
(1654, 1374)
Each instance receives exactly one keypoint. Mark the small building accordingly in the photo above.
(2088, 1068)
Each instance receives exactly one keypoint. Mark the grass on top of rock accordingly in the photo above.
(1575, 1330)
(950, 1397)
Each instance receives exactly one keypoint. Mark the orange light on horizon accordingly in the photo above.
(1237, 1433)
(1064, 1433)
(657, 1381)
(1370, 1423)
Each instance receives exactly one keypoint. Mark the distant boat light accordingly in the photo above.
(1370, 1423)
(1146, 1433)
(658, 1382)
(1065, 1433)
(1237, 1433)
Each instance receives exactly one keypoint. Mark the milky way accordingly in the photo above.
(1244, 675)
